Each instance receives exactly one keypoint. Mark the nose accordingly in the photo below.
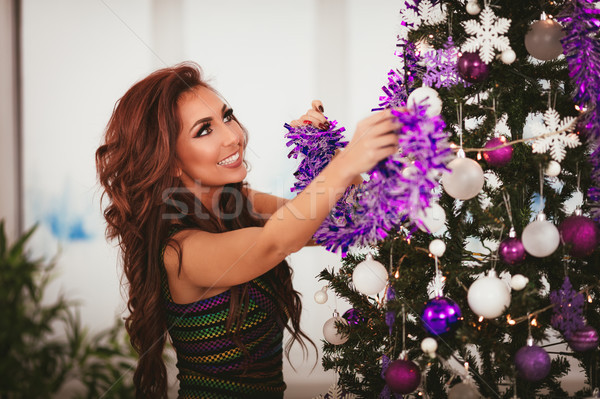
(231, 136)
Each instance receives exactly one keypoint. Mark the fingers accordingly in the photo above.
(318, 106)
(313, 116)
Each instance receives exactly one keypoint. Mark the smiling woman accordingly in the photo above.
(201, 262)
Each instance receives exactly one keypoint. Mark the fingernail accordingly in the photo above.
(321, 108)
(307, 122)
(324, 126)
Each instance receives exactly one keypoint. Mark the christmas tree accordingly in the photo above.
(483, 230)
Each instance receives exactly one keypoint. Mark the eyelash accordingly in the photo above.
(227, 117)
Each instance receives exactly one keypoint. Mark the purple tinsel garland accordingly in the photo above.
(316, 146)
(400, 187)
(568, 309)
(400, 84)
(581, 46)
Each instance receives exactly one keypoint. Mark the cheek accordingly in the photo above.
(195, 154)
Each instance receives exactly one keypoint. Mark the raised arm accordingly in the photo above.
(234, 257)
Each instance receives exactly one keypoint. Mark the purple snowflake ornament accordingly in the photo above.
(568, 309)
(441, 67)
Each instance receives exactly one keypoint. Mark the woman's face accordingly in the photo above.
(210, 146)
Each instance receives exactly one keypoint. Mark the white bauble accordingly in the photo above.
(409, 171)
(508, 56)
(473, 8)
(540, 237)
(331, 333)
(518, 282)
(432, 219)
(465, 179)
(369, 276)
(429, 345)
(488, 296)
(552, 169)
(426, 96)
(437, 247)
(321, 297)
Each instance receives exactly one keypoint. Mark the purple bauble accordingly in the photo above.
(353, 317)
(440, 315)
(471, 68)
(580, 235)
(533, 363)
(403, 376)
(584, 339)
(512, 251)
(499, 157)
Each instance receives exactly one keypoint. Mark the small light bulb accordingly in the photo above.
(534, 322)
(480, 319)
(479, 156)
(397, 274)
(589, 298)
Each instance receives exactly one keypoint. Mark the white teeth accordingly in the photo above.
(229, 160)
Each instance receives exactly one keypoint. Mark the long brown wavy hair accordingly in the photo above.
(136, 167)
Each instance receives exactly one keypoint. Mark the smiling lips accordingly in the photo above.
(229, 160)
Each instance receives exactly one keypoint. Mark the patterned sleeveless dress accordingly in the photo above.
(210, 364)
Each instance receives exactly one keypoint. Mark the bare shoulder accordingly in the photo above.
(221, 260)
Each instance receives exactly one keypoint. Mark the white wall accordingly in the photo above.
(268, 58)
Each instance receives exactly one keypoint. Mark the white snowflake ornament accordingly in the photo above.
(556, 143)
(415, 13)
(487, 35)
(336, 392)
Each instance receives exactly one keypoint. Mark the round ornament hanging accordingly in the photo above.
(471, 68)
(437, 247)
(369, 277)
(508, 56)
(473, 7)
(511, 249)
(488, 296)
(440, 315)
(532, 362)
(463, 390)
(498, 157)
(353, 317)
(321, 296)
(432, 219)
(580, 234)
(518, 282)
(542, 40)
(429, 345)
(584, 339)
(403, 376)
(426, 96)
(465, 179)
(540, 237)
(552, 169)
(330, 330)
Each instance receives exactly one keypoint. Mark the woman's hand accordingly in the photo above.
(313, 116)
(375, 139)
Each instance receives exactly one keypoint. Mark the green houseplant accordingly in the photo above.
(44, 349)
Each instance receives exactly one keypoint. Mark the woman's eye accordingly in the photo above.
(204, 130)
(228, 117)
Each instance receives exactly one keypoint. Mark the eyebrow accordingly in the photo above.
(208, 118)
